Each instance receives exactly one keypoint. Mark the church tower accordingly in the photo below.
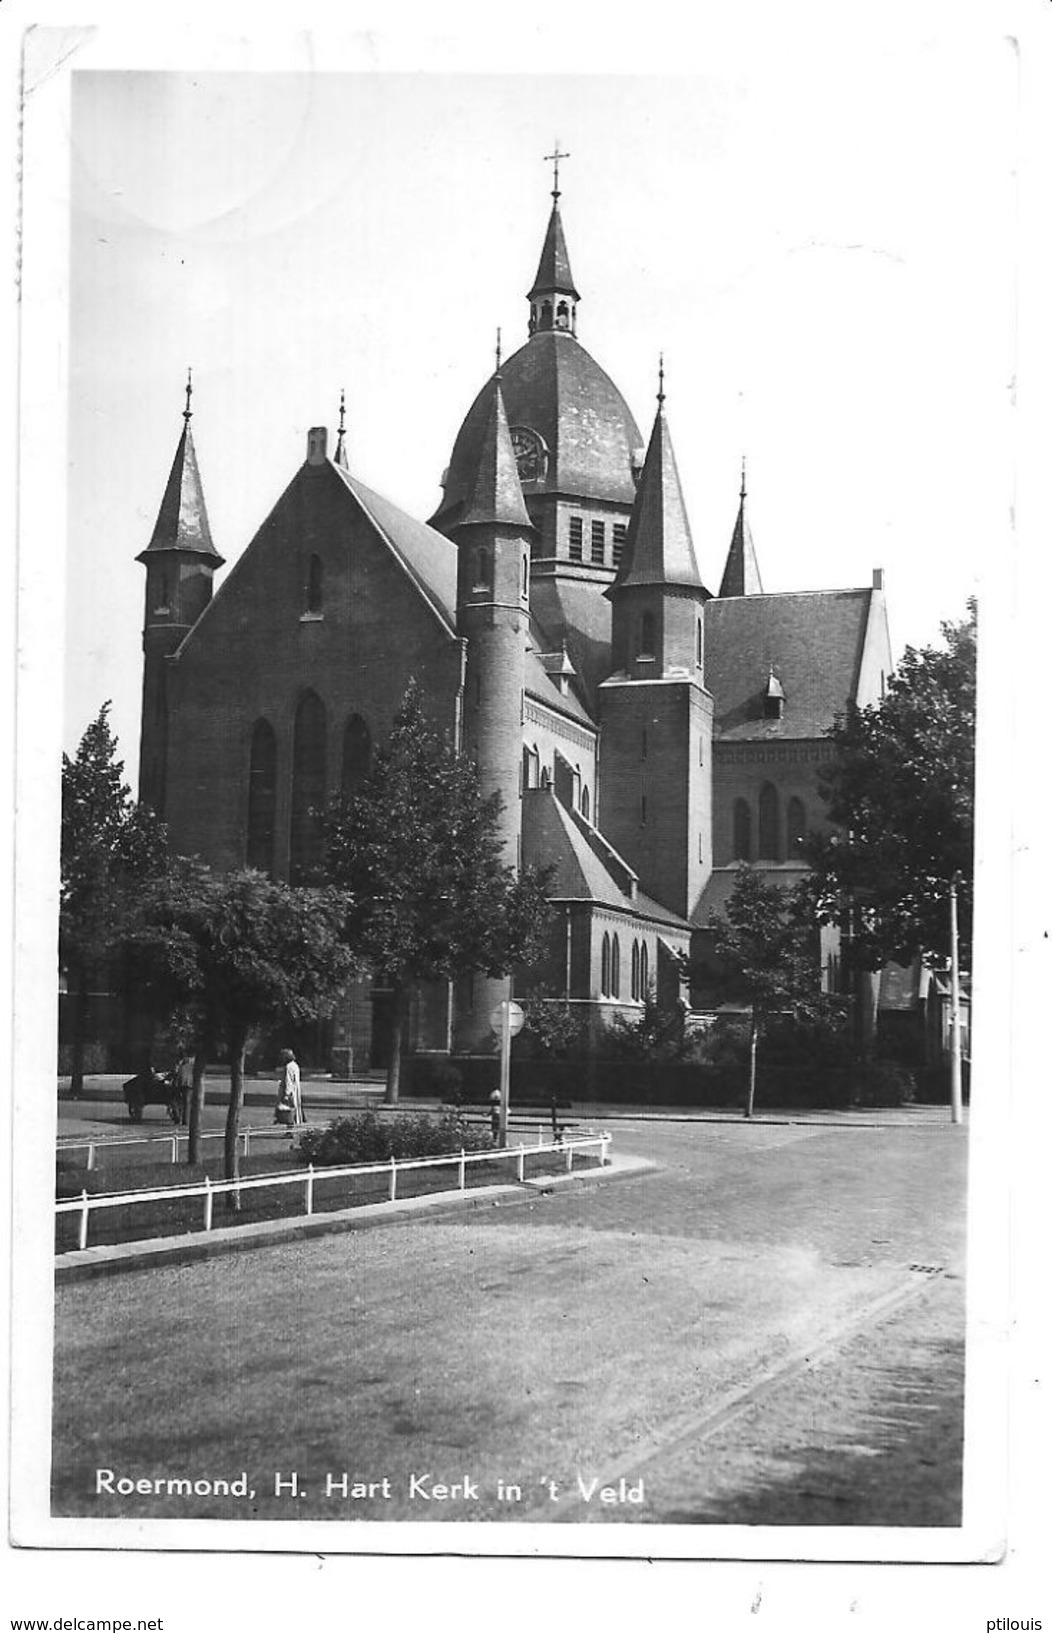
(493, 538)
(180, 561)
(655, 713)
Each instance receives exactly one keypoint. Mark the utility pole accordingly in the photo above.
(955, 1010)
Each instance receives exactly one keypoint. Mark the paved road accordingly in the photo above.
(767, 1329)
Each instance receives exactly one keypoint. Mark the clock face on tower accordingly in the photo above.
(531, 456)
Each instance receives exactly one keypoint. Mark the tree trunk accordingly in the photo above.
(399, 1009)
(231, 1167)
(753, 1040)
(80, 1026)
(197, 1105)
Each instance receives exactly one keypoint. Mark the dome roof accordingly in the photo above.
(581, 427)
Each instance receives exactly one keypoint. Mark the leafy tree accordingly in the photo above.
(901, 789)
(657, 1032)
(418, 852)
(109, 845)
(230, 953)
(765, 955)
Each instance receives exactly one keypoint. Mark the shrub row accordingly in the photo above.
(372, 1138)
(470, 1078)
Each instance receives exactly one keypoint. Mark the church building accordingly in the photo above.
(645, 732)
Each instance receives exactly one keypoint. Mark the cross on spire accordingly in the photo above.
(553, 159)
(340, 456)
(661, 379)
(742, 495)
(187, 411)
(497, 369)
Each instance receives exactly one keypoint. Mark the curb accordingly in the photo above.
(94, 1262)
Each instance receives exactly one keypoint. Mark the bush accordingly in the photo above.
(438, 1079)
(881, 1083)
(553, 1031)
(96, 1059)
(373, 1138)
(656, 1032)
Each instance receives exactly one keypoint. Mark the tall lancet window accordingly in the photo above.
(313, 589)
(646, 636)
(769, 850)
(262, 797)
(357, 756)
(742, 831)
(308, 788)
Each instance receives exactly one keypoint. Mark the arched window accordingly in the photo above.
(795, 827)
(262, 797)
(314, 585)
(769, 848)
(742, 831)
(308, 788)
(546, 314)
(701, 645)
(562, 315)
(644, 970)
(525, 577)
(481, 568)
(604, 967)
(646, 636)
(586, 804)
(357, 756)
(531, 766)
(615, 968)
(635, 969)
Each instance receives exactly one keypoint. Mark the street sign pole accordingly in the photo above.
(505, 1067)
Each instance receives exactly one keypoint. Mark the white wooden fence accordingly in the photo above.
(86, 1205)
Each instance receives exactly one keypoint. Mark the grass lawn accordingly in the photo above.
(176, 1215)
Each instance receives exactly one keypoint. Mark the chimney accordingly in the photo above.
(317, 445)
(878, 578)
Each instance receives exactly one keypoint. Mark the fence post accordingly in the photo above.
(208, 1203)
(460, 1169)
(175, 1149)
(394, 1181)
(91, 1157)
(310, 1188)
(540, 1133)
(604, 1144)
(85, 1209)
(522, 1162)
(569, 1157)
(245, 1141)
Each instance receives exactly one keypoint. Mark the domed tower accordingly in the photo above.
(655, 712)
(180, 562)
(493, 537)
(578, 451)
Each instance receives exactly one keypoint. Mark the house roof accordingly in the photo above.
(812, 641)
(429, 557)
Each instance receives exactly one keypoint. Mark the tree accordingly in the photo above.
(766, 956)
(109, 845)
(418, 852)
(232, 952)
(901, 790)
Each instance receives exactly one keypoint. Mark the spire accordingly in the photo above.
(659, 548)
(182, 521)
(496, 492)
(340, 456)
(741, 575)
(553, 297)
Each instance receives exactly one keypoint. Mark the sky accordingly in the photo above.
(816, 233)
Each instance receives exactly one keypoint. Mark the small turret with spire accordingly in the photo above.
(180, 562)
(553, 298)
(741, 575)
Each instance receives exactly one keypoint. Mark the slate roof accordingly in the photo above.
(429, 557)
(553, 268)
(496, 494)
(811, 640)
(741, 575)
(551, 838)
(182, 521)
(658, 548)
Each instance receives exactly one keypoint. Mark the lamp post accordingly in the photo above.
(955, 1009)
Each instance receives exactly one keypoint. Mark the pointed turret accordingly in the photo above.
(659, 548)
(496, 495)
(180, 561)
(741, 575)
(182, 521)
(655, 714)
(553, 297)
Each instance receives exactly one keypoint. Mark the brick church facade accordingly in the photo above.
(645, 733)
